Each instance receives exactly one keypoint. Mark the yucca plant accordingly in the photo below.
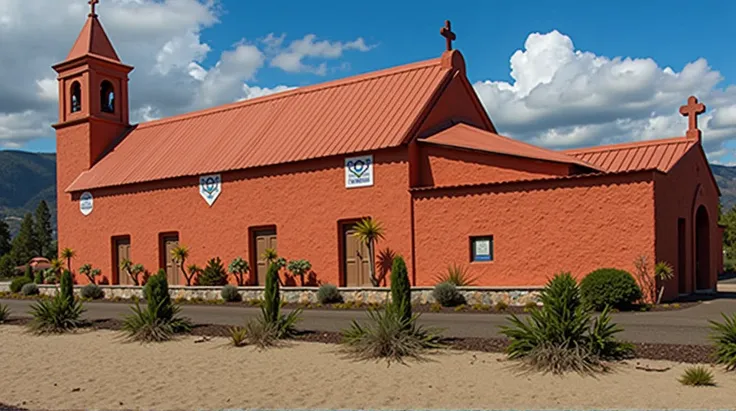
(134, 271)
(663, 271)
(68, 254)
(724, 338)
(697, 376)
(159, 320)
(369, 231)
(4, 313)
(456, 274)
(560, 336)
(59, 314)
(299, 268)
(388, 335)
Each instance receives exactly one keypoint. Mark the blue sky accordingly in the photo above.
(672, 33)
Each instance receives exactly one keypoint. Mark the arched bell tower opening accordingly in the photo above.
(702, 250)
(107, 97)
(76, 97)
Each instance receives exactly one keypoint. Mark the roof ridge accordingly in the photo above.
(298, 91)
(626, 145)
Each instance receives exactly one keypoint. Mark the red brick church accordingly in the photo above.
(410, 146)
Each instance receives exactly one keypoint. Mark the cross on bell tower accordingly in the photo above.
(692, 110)
(447, 33)
(92, 7)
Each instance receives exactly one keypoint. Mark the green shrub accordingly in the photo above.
(230, 294)
(400, 288)
(29, 289)
(17, 284)
(456, 274)
(724, 338)
(697, 376)
(447, 295)
(92, 292)
(4, 313)
(214, 273)
(38, 279)
(159, 321)
(29, 272)
(561, 336)
(609, 286)
(390, 336)
(501, 306)
(59, 314)
(328, 294)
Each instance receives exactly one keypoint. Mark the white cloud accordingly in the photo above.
(255, 91)
(561, 97)
(291, 59)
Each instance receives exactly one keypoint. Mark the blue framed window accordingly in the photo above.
(481, 248)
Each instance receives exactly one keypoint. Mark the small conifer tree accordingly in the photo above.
(39, 277)
(29, 272)
(400, 288)
(156, 293)
(67, 287)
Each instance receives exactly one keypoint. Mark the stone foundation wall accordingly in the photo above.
(302, 295)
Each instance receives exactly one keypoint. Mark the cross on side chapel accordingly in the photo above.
(692, 110)
(92, 7)
(447, 33)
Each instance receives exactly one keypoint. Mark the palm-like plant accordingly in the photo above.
(68, 254)
(369, 231)
(55, 269)
(180, 254)
(300, 268)
(91, 273)
(663, 271)
(134, 271)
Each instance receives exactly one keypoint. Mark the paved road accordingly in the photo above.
(689, 326)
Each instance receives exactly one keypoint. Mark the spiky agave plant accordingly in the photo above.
(456, 274)
(724, 338)
(60, 314)
(560, 336)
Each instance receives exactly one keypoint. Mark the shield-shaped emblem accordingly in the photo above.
(210, 188)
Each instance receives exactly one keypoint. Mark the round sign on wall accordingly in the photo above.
(86, 203)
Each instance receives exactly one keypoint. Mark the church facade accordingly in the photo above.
(411, 147)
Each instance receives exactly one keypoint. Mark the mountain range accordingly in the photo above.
(27, 178)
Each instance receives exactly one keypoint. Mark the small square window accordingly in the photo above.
(481, 248)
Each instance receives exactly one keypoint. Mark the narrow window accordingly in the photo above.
(107, 97)
(481, 248)
(76, 96)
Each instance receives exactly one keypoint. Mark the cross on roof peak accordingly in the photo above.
(692, 110)
(92, 7)
(447, 33)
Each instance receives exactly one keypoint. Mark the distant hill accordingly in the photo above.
(726, 179)
(27, 178)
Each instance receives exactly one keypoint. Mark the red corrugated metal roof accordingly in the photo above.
(643, 155)
(93, 40)
(368, 112)
(468, 137)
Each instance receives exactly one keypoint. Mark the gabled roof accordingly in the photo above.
(92, 40)
(368, 112)
(471, 138)
(659, 155)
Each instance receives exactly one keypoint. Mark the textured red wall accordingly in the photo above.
(304, 201)
(446, 166)
(539, 229)
(678, 195)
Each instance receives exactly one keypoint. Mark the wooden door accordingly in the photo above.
(681, 255)
(122, 252)
(356, 262)
(263, 240)
(172, 271)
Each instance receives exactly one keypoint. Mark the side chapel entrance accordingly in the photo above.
(702, 250)
(355, 259)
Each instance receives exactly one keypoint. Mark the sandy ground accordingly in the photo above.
(96, 370)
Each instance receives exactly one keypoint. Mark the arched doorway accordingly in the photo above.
(702, 250)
